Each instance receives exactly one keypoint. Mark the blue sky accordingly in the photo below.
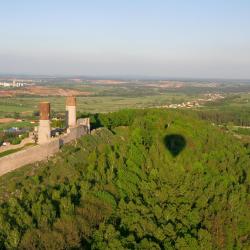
(149, 38)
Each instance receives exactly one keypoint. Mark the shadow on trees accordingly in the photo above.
(175, 143)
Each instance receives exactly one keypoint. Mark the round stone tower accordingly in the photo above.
(71, 111)
(44, 123)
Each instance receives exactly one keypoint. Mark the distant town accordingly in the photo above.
(196, 103)
(15, 83)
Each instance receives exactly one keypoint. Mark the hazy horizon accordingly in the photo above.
(118, 77)
(119, 39)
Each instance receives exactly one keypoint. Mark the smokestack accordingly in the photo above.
(71, 111)
(44, 123)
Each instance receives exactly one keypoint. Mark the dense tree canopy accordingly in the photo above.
(150, 179)
(237, 116)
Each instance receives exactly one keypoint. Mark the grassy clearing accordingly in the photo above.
(11, 151)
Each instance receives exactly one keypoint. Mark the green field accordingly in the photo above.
(90, 104)
(132, 94)
(24, 124)
(26, 106)
(235, 107)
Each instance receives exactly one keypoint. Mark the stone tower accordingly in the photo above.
(44, 123)
(71, 111)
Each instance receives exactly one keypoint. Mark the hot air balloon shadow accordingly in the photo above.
(175, 143)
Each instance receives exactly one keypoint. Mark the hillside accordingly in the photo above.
(148, 179)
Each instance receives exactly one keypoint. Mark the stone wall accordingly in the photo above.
(39, 152)
(28, 156)
(73, 134)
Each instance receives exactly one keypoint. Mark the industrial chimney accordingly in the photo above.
(44, 123)
(71, 111)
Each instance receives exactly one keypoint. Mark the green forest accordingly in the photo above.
(143, 179)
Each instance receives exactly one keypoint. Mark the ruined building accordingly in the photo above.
(47, 145)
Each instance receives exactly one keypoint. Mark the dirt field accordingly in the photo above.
(42, 91)
(7, 120)
(167, 84)
(108, 82)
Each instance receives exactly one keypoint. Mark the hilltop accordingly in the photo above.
(145, 179)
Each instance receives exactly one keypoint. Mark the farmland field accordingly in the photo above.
(99, 96)
(109, 95)
(92, 104)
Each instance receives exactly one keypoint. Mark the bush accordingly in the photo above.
(15, 140)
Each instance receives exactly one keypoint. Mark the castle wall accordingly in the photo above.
(73, 134)
(39, 152)
(28, 156)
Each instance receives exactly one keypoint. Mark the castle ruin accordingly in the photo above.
(47, 145)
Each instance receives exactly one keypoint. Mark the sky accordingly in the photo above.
(119, 38)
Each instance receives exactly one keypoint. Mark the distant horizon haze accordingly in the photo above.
(147, 39)
(118, 77)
